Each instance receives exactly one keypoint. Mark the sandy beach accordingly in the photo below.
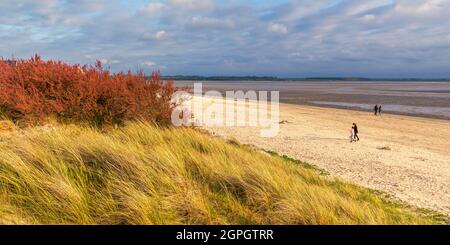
(407, 157)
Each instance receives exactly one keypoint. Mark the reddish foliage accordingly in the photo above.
(33, 90)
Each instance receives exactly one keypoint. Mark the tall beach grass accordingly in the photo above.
(142, 174)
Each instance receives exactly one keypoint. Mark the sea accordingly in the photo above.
(417, 98)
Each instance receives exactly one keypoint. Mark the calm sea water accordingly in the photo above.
(430, 99)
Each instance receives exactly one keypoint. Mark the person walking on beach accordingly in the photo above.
(379, 110)
(375, 109)
(355, 129)
(352, 134)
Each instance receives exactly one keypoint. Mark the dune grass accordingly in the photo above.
(142, 174)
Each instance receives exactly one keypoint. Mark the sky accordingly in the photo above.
(284, 38)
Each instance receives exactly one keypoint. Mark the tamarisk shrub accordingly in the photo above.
(33, 90)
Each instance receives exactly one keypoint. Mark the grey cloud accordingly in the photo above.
(296, 38)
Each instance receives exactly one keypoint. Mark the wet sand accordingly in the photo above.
(417, 98)
(407, 157)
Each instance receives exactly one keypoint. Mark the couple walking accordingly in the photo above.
(377, 110)
(354, 133)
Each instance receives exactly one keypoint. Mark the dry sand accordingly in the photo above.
(407, 157)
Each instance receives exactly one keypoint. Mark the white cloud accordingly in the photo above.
(300, 8)
(368, 17)
(362, 6)
(153, 9)
(193, 4)
(277, 28)
(72, 21)
(295, 54)
(158, 36)
(149, 63)
(415, 7)
(207, 22)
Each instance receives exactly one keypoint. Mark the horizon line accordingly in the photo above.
(264, 78)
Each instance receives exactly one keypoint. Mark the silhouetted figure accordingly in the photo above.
(352, 134)
(379, 110)
(375, 109)
(355, 128)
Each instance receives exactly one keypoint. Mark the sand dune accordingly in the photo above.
(407, 157)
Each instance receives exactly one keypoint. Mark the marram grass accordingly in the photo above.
(141, 174)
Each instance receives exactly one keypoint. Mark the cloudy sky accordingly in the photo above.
(286, 38)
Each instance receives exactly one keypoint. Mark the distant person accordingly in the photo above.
(379, 110)
(375, 109)
(355, 129)
(352, 134)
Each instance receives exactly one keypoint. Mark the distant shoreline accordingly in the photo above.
(308, 79)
